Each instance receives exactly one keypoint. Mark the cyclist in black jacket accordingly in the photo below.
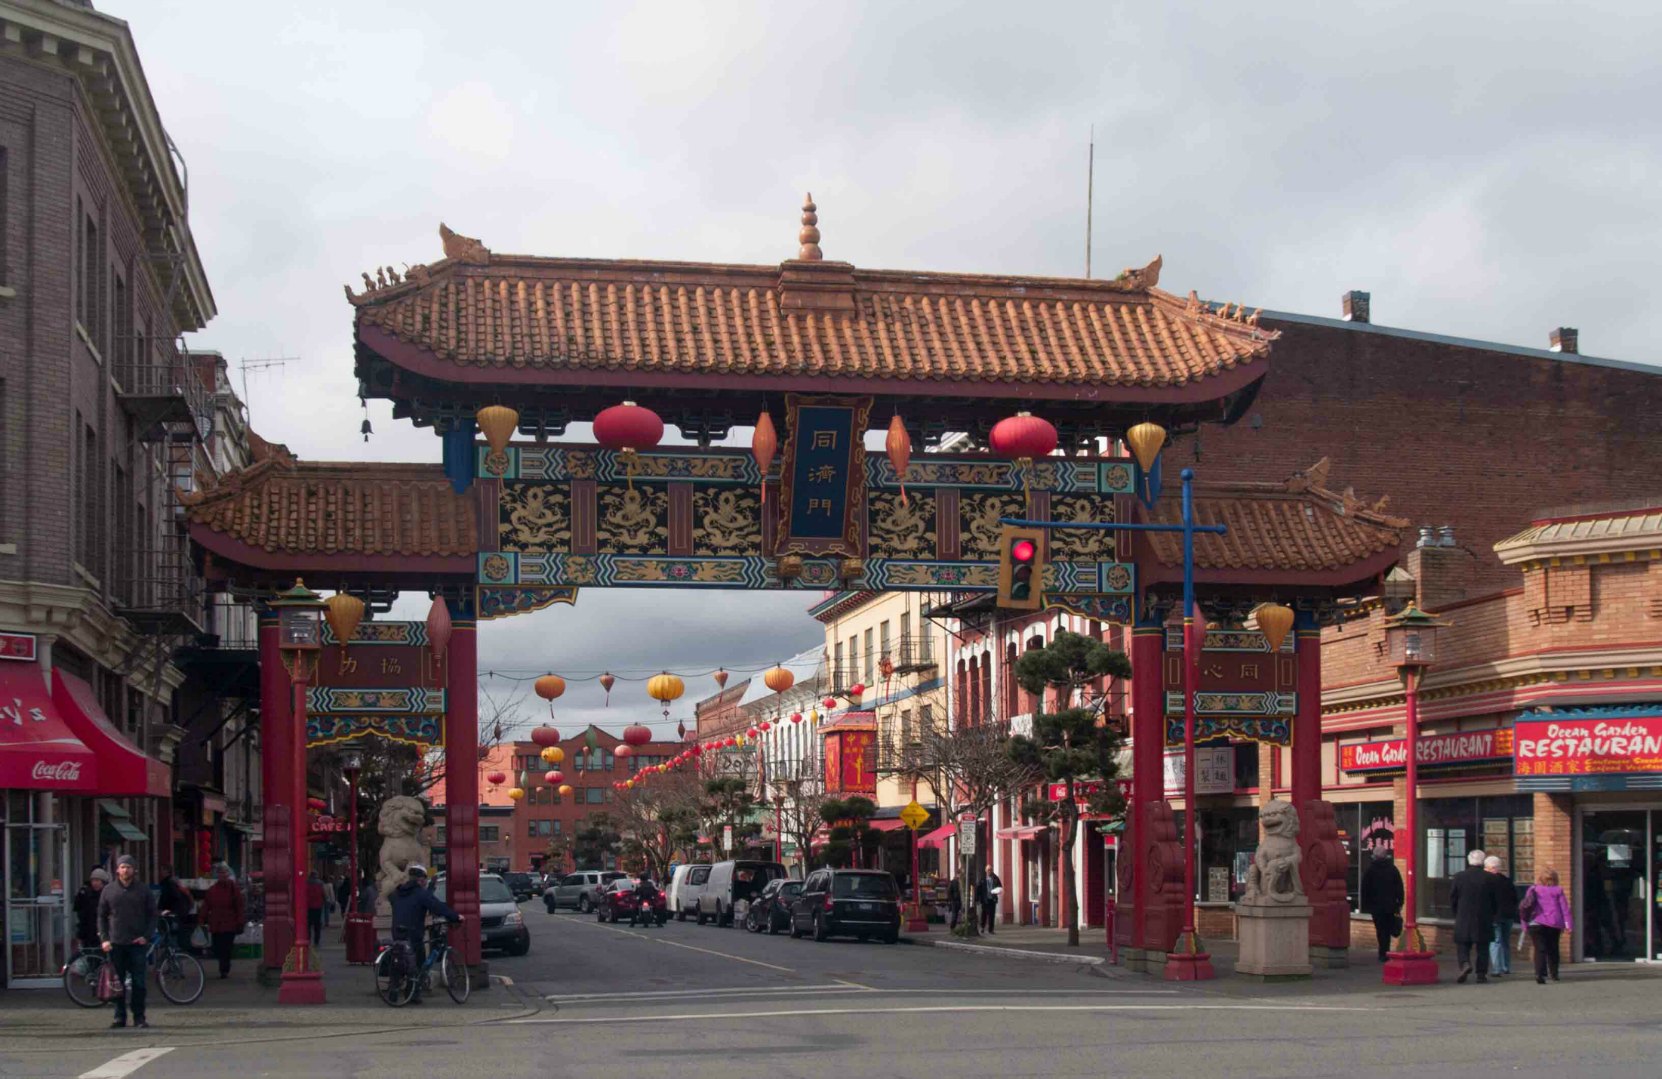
(411, 902)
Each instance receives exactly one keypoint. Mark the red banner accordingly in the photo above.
(1571, 747)
(17, 646)
(1082, 791)
(1460, 747)
(850, 762)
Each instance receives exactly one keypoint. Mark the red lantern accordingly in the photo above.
(637, 735)
(830, 703)
(765, 725)
(623, 752)
(553, 777)
(858, 689)
(751, 732)
(628, 428)
(731, 742)
(496, 779)
(796, 717)
(545, 736)
(1021, 438)
(438, 629)
(697, 751)
(899, 446)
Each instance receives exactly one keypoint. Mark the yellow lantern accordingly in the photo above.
(343, 612)
(565, 790)
(516, 793)
(665, 687)
(551, 755)
(778, 679)
(1274, 620)
(630, 783)
(498, 422)
(1146, 440)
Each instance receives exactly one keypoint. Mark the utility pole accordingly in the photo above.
(1090, 193)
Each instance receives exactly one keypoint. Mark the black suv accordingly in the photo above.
(521, 884)
(862, 903)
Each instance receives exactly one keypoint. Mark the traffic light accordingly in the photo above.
(1021, 568)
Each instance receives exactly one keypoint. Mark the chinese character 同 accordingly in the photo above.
(1249, 670)
(825, 440)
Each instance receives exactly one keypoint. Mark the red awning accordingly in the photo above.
(1026, 831)
(885, 825)
(938, 837)
(123, 769)
(38, 751)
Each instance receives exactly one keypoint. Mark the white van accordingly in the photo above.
(733, 883)
(685, 884)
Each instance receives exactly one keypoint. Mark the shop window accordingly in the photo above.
(1363, 828)
(489, 833)
(1451, 827)
(594, 795)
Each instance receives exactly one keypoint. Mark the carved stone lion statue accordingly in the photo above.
(401, 821)
(1274, 876)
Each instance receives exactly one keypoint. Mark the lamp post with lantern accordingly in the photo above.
(360, 923)
(1411, 637)
(300, 640)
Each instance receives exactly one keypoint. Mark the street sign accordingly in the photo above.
(727, 837)
(966, 836)
(915, 816)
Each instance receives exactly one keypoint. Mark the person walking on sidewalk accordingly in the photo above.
(314, 907)
(1473, 897)
(86, 908)
(1381, 899)
(1545, 914)
(1506, 916)
(172, 898)
(223, 913)
(987, 892)
(126, 918)
(954, 904)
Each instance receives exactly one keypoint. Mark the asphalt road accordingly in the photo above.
(689, 1002)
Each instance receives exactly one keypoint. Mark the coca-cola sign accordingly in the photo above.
(56, 772)
(1459, 747)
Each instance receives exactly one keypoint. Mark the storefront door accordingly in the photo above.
(1618, 866)
(37, 907)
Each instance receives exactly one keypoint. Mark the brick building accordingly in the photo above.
(519, 836)
(103, 414)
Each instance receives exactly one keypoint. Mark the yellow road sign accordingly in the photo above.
(915, 816)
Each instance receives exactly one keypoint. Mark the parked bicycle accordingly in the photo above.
(178, 975)
(397, 974)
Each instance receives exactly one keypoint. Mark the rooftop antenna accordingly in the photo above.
(261, 364)
(1090, 192)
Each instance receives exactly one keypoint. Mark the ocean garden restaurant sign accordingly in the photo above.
(1589, 749)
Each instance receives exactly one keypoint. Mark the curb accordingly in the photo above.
(1014, 953)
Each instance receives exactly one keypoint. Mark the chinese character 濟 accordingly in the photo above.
(822, 474)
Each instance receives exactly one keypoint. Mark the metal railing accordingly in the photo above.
(161, 388)
(156, 585)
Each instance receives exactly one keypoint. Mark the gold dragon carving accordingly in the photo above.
(1081, 545)
(980, 513)
(729, 522)
(536, 519)
(633, 521)
(902, 531)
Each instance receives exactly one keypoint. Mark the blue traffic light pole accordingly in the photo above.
(1187, 962)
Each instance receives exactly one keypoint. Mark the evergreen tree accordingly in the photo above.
(1071, 745)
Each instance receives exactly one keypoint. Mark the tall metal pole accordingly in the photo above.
(1410, 852)
(1188, 962)
(352, 830)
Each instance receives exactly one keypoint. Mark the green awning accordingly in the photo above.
(127, 831)
(113, 809)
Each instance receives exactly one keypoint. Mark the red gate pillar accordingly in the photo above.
(276, 785)
(1324, 865)
(1155, 911)
(461, 779)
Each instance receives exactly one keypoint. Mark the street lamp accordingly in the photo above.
(300, 639)
(1411, 639)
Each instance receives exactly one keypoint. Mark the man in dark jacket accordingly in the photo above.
(411, 902)
(175, 900)
(86, 908)
(645, 893)
(1381, 898)
(126, 918)
(987, 891)
(1472, 895)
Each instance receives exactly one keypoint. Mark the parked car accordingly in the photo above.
(619, 901)
(501, 925)
(685, 883)
(862, 903)
(772, 909)
(580, 890)
(523, 885)
(733, 882)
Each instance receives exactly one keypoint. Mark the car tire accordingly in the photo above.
(820, 933)
(773, 926)
(583, 904)
(522, 948)
(551, 905)
(720, 921)
(699, 915)
(681, 915)
(892, 937)
(795, 933)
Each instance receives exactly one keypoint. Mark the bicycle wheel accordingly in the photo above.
(80, 980)
(391, 984)
(180, 977)
(457, 982)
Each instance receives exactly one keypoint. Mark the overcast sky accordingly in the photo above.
(1484, 171)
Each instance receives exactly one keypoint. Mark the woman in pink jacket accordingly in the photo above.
(1546, 913)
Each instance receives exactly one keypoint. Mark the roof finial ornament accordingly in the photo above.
(809, 236)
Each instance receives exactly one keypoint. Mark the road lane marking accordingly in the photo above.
(667, 994)
(695, 948)
(784, 1013)
(126, 1064)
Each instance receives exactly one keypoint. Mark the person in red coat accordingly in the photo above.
(224, 915)
(314, 907)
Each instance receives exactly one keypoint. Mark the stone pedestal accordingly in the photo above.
(1275, 941)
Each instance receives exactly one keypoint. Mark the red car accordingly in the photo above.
(619, 901)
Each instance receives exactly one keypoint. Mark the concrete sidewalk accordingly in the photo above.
(239, 1009)
(1363, 975)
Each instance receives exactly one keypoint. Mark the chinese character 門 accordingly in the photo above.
(820, 505)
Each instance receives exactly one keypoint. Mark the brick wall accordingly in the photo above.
(1457, 435)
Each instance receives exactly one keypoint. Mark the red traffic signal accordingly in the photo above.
(1020, 568)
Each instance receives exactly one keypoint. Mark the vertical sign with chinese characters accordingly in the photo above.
(822, 484)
